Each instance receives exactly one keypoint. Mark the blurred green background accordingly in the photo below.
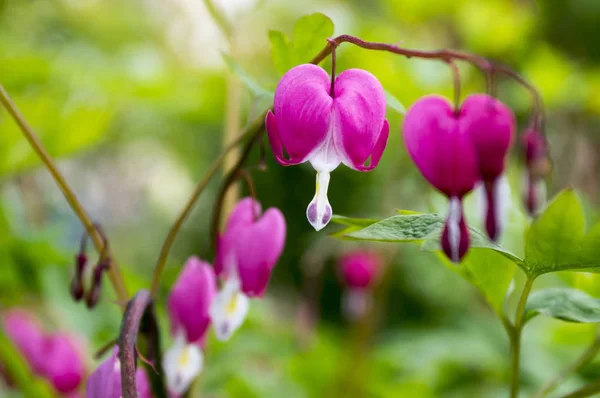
(134, 99)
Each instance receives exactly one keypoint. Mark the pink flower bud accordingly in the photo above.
(64, 367)
(190, 299)
(251, 245)
(312, 125)
(538, 166)
(360, 268)
(28, 336)
(105, 382)
(438, 143)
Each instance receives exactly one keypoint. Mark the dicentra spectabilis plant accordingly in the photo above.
(247, 251)
(327, 121)
(189, 303)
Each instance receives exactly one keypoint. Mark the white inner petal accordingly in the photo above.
(356, 303)
(540, 194)
(319, 210)
(502, 202)
(182, 363)
(453, 225)
(229, 309)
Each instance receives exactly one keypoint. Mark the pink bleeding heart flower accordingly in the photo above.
(64, 367)
(28, 336)
(246, 254)
(105, 382)
(326, 129)
(189, 304)
(491, 125)
(360, 268)
(436, 140)
(538, 166)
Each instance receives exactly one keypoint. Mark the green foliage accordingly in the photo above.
(557, 241)
(567, 304)
(310, 33)
(250, 82)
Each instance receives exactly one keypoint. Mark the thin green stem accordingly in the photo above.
(113, 272)
(585, 358)
(587, 391)
(185, 212)
(515, 337)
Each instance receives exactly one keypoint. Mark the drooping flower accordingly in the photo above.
(359, 270)
(538, 166)
(326, 128)
(105, 382)
(435, 137)
(63, 366)
(189, 303)
(28, 336)
(491, 126)
(246, 254)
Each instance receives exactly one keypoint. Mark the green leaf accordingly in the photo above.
(553, 242)
(280, 51)
(255, 88)
(394, 103)
(489, 271)
(562, 303)
(310, 35)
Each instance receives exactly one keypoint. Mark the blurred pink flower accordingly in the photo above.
(538, 166)
(27, 334)
(360, 268)
(63, 365)
(312, 123)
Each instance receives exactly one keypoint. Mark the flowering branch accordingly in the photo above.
(254, 129)
(139, 315)
(445, 55)
(113, 272)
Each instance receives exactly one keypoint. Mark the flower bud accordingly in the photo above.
(63, 366)
(360, 268)
(312, 124)
(538, 167)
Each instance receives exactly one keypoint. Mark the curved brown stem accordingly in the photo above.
(445, 55)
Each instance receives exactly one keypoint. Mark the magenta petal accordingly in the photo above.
(444, 154)
(491, 126)
(190, 299)
(27, 335)
(378, 150)
(359, 115)
(64, 366)
(302, 107)
(275, 141)
(257, 249)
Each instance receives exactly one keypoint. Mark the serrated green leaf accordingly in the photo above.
(553, 242)
(310, 35)
(357, 222)
(570, 305)
(394, 103)
(255, 88)
(280, 51)
(407, 228)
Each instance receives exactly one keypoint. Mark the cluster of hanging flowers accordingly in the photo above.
(247, 251)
